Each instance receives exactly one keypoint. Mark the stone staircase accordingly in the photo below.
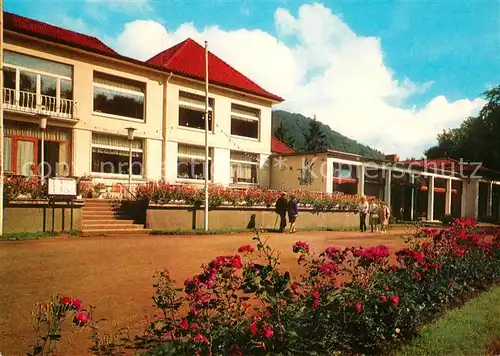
(101, 217)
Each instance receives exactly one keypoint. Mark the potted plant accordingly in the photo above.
(99, 190)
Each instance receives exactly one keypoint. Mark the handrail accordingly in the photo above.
(128, 190)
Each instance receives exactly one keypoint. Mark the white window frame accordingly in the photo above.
(195, 107)
(202, 158)
(122, 90)
(116, 148)
(232, 161)
(237, 115)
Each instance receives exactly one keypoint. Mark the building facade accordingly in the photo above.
(91, 96)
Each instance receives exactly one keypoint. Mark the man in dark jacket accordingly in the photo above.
(281, 209)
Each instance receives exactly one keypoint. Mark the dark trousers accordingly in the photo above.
(362, 222)
(282, 221)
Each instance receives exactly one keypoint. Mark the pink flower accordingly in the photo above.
(81, 318)
(301, 246)
(451, 284)
(246, 249)
(253, 327)
(394, 300)
(268, 332)
(201, 339)
(184, 324)
(359, 306)
(77, 304)
(385, 288)
(383, 298)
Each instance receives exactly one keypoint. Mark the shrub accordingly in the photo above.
(447, 220)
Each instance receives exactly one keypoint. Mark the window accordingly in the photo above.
(192, 111)
(243, 168)
(191, 162)
(118, 96)
(30, 82)
(244, 121)
(7, 154)
(110, 154)
(342, 170)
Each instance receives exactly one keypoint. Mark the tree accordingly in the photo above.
(281, 133)
(315, 138)
(477, 139)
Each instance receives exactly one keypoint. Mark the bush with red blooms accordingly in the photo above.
(165, 193)
(348, 300)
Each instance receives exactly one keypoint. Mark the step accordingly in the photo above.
(116, 232)
(102, 208)
(86, 227)
(100, 221)
(107, 216)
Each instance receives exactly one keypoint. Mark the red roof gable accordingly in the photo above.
(43, 30)
(279, 147)
(188, 58)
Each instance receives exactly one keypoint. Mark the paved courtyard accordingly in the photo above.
(115, 274)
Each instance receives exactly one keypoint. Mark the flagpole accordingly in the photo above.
(207, 165)
(1, 118)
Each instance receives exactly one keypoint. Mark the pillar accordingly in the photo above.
(430, 199)
(360, 172)
(412, 202)
(447, 206)
(387, 190)
(329, 175)
(489, 200)
(463, 197)
(472, 198)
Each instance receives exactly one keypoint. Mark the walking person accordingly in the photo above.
(363, 211)
(281, 209)
(293, 212)
(385, 214)
(374, 217)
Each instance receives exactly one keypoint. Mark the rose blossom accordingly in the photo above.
(268, 332)
(395, 300)
(359, 306)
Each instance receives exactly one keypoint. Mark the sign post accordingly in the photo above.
(62, 189)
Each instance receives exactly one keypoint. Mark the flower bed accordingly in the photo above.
(15, 187)
(166, 193)
(348, 301)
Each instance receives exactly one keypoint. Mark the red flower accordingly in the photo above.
(301, 246)
(394, 300)
(81, 318)
(268, 332)
(246, 249)
(43, 306)
(451, 284)
(66, 301)
(383, 298)
(253, 327)
(359, 306)
(77, 304)
(184, 324)
(418, 276)
(385, 288)
(201, 339)
(236, 350)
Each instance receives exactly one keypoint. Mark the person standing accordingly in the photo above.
(281, 209)
(363, 211)
(385, 216)
(293, 212)
(374, 216)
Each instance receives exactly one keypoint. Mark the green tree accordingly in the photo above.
(315, 140)
(282, 134)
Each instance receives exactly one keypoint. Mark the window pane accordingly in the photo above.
(9, 78)
(7, 154)
(40, 64)
(188, 168)
(243, 173)
(28, 82)
(118, 82)
(66, 89)
(115, 161)
(245, 128)
(194, 118)
(115, 141)
(114, 102)
(25, 157)
(48, 85)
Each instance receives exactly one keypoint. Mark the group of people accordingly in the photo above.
(286, 206)
(378, 215)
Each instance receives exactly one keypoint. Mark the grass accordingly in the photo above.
(35, 235)
(469, 330)
(235, 231)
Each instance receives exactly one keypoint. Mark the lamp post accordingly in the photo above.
(43, 126)
(130, 131)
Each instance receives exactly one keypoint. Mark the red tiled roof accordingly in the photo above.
(43, 30)
(279, 147)
(188, 58)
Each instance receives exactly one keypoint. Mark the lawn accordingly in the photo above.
(469, 330)
(115, 274)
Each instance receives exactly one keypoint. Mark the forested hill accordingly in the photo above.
(292, 129)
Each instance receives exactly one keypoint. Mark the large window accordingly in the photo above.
(192, 111)
(243, 168)
(110, 154)
(31, 82)
(118, 96)
(244, 121)
(191, 162)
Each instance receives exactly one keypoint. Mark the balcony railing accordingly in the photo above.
(34, 103)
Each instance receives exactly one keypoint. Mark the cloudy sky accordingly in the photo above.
(391, 74)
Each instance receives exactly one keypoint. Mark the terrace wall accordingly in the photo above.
(40, 217)
(176, 217)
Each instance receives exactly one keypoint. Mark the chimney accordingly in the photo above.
(392, 158)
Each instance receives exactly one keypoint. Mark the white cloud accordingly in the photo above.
(328, 70)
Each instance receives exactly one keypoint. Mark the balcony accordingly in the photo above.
(33, 103)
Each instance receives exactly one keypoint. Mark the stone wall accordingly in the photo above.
(172, 217)
(38, 217)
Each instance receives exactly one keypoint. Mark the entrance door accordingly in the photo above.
(26, 157)
(51, 157)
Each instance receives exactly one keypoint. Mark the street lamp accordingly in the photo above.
(43, 126)
(130, 131)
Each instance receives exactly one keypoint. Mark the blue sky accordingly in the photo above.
(455, 45)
